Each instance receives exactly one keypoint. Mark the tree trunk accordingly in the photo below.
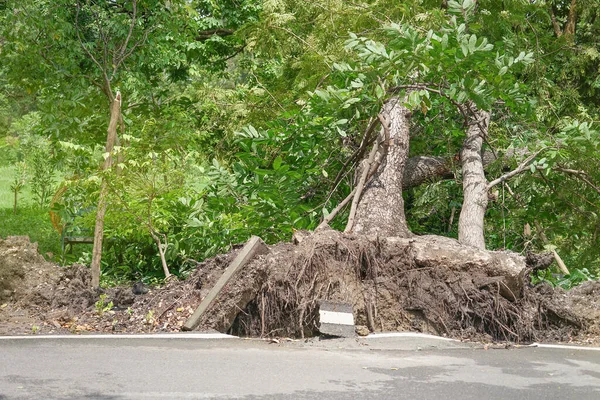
(161, 253)
(571, 21)
(475, 197)
(115, 112)
(570, 25)
(381, 207)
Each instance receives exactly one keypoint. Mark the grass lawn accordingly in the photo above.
(33, 222)
(30, 219)
(7, 175)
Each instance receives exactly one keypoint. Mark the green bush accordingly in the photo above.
(577, 277)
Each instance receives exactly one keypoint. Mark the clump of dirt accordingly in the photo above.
(42, 297)
(277, 294)
(22, 268)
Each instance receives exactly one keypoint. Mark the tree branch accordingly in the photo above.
(106, 87)
(517, 170)
(131, 26)
(358, 154)
(555, 24)
(582, 175)
(222, 32)
(361, 184)
(571, 19)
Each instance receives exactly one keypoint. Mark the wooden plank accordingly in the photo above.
(255, 246)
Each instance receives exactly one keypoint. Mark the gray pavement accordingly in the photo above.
(375, 368)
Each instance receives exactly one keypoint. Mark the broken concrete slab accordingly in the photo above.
(336, 319)
(254, 247)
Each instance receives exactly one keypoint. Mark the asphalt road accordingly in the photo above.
(384, 368)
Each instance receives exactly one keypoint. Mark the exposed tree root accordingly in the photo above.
(391, 289)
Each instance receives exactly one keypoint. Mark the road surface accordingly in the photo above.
(378, 368)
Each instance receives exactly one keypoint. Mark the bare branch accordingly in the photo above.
(582, 175)
(358, 154)
(106, 87)
(222, 32)
(372, 168)
(136, 45)
(122, 54)
(336, 210)
(361, 184)
(131, 26)
(81, 41)
(521, 168)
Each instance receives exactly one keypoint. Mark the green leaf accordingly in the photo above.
(472, 43)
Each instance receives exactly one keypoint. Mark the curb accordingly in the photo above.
(174, 336)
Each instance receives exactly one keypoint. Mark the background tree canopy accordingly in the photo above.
(248, 117)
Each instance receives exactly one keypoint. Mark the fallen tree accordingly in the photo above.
(426, 284)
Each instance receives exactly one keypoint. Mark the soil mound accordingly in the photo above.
(389, 282)
(392, 287)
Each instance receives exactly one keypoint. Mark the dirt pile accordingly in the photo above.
(21, 267)
(42, 297)
(392, 286)
(389, 283)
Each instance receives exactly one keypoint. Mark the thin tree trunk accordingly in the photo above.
(557, 258)
(115, 112)
(381, 208)
(571, 21)
(161, 253)
(555, 25)
(475, 197)
(570, 25)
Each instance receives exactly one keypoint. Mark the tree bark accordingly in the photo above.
(571, 21)
(475, 197)
(570, 25)
(381, 208)
(115, 112)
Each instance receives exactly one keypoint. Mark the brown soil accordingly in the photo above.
(388, 289)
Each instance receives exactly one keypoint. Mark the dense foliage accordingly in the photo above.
(244, 117)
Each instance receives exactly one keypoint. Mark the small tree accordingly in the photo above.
(73, 47)
(19, 180)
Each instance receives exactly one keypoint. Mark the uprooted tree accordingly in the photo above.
(470, 78)
(390, 275)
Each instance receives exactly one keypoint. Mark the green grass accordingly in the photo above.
(7, 175)
(33, 222)
(30, 220)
